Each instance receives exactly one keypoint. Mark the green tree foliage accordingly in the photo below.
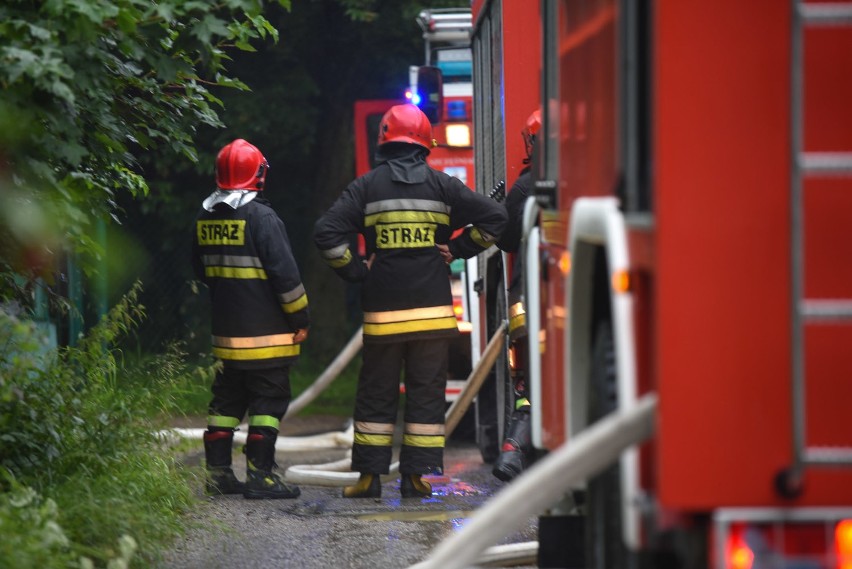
(86, 87)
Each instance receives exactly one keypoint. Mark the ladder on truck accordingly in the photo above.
(808, 310)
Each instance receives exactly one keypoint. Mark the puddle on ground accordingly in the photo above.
(397, 516)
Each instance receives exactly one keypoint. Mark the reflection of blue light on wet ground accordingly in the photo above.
(445, 486)
(457, 523)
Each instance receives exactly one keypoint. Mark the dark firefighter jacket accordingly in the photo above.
(404, 208)
(258, 300)
(510, 242)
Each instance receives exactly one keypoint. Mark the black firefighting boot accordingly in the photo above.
(261, 482)
(412, 486)
(217, 452)
(369, 485)
(516, 447)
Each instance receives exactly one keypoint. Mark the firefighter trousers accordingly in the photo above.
(424, 363)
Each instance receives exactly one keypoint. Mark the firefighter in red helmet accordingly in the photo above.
(516, 450)
(259, 318)
(407, 212)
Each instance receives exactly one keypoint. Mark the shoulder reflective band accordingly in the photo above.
(221, 232)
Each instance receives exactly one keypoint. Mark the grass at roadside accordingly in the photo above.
(84, 479)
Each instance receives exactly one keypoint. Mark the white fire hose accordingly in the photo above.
(550, 478)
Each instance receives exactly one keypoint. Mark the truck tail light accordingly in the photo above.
(843, 544)
(817, 545)
(737, 552)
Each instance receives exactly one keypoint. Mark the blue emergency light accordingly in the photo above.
(456, 111)
(413, 97)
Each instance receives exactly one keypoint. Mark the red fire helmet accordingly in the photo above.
(240, 166)
(406, 123)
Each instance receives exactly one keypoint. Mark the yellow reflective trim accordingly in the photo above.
(235, 272)
(477, 235)
(522, 402)
(406, 327)
(424, 429)
(423, 441)
(253, 341)
(263, 421)
(296, 305)
(405, 235)
(256, 353)
(516, 322)
(223, 421)
(374, 428)
(432, 217)
(340, 261)
(373, 440)
(221, 231)
(408, 314)
(517, 309)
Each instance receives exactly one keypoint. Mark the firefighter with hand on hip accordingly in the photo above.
(407, 212)
(516, 450)
(259, 317)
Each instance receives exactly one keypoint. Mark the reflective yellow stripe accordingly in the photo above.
(423, 441)
(424, 429)
(374, 428)
(406, 327)
(522, 402)
(222, 421)
(373, 440)
(263, 421)
(256, 353)
(516, 309)
(516, 322)
(407, 217)
(253, 341)
(235, 272)
(387, 316)
(296, 305)
(481, 238)
(340, 261)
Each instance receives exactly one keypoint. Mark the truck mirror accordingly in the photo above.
(430, 87)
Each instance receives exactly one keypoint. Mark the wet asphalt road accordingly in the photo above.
(320, 529)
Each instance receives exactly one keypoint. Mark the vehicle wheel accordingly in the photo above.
(604, 543)
(491, 415)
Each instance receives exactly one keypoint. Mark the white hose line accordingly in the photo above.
(545, 482)
(509, 555)
(330, 374)
(330, 474)
(330, 440)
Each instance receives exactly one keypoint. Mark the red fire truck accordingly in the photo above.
(446, 99)
(688, 237)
